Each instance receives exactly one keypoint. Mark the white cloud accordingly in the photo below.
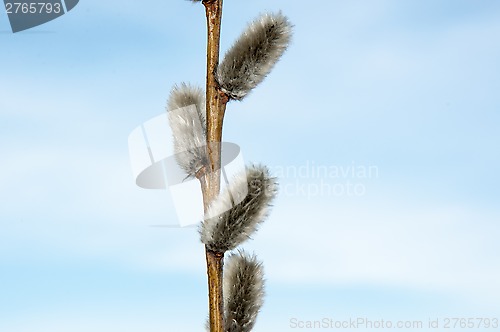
(412, 244)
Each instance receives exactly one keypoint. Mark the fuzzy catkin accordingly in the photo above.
(227, 224)
(185, 108)
(254, 54)
(243, 292)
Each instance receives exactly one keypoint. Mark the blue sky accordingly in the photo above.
(410, 88)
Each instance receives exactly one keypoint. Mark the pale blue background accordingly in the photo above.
(411, 87)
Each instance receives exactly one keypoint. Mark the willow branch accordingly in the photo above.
(216, 102)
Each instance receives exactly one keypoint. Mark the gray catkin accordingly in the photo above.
(254, 54)
(186, 107)
(227, 225)
(243, 292)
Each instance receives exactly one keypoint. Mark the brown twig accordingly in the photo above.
(215, 263)
(210, 183)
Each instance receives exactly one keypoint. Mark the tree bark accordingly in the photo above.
(216, 102)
